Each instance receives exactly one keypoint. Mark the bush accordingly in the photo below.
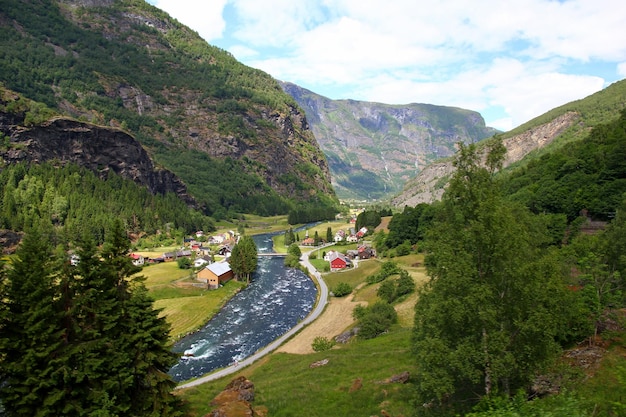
(342, 289)
(377, 320)
(321, 344)
(184, 263)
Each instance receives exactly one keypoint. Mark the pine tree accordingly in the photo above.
(32, 334)
(82, 340)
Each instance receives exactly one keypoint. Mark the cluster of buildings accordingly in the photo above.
(351, 236)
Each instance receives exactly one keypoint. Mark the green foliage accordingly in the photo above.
(589, 174)
(387, 269)
(375, 320)
(85, 339)
(183, 262)
(289, 237)
(321, 344)
(342, 289)
(75, 200)
(293, 255)
(391, 290)
(225, 186)
(311, 214)
(486, 320)
(243, 259)
(294, 250)
(369, 219)
(410, 225)
(561, 405)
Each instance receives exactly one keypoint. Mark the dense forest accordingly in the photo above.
(72, 201)
(81, 340)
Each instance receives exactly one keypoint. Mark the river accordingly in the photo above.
(274, 302)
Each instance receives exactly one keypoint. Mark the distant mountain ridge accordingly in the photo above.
(373, 148)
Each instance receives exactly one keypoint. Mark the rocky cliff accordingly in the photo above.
(100, 149)
(373, 148)
(429, 185)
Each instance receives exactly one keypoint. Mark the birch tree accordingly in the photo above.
(483, 322)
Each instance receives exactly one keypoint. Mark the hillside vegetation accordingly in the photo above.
(211, 120)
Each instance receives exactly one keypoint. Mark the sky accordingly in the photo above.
(509, 60)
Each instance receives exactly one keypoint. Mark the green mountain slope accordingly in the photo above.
(374, 148)
(551, 131)
(228, 131)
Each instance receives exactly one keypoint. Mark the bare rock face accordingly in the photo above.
(429, 185)
(235, 400)
(99, 149)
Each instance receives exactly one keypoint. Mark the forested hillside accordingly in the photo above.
(74, 200)
(228, 131)
(516, 277)
(585, 175)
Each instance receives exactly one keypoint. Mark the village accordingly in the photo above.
(207, 255)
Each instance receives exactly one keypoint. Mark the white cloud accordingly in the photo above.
(519, 56)
(203, 17)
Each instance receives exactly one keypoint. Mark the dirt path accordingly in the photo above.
(336, 318)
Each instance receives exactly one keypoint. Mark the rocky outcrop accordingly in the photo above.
(429, 185)
(235, 401)
(99, 149)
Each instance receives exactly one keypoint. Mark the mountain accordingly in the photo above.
(373, 148)
(555, 129)
(229, 132)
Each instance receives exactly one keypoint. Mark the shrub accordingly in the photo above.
(342, 289)
(321, 344)
(184, 263)
(377, 320)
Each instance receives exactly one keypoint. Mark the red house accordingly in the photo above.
(338, 261)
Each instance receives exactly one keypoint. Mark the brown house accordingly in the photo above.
(215, 274)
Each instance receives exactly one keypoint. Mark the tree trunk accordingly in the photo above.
(488, 381)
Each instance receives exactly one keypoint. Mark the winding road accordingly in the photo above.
(319, 307)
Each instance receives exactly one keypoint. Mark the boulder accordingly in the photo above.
(235, 400)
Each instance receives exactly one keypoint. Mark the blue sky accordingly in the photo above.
(509, 60)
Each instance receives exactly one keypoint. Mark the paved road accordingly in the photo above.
(319, 307)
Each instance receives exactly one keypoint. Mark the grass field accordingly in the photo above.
(195, 308)
(185, 306)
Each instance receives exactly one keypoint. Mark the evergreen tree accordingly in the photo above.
(82, 340)
(243, 259)
(32, 335)
(329, 234)
(484, 322)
